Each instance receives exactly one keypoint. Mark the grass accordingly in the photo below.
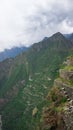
(69, 68)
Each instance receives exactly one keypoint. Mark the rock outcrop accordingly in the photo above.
(59, 114)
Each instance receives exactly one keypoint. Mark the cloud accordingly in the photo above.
(23, 22)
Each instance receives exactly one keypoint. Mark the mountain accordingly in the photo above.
(58, 115)
(26, 80)
(45, 38)
(69, 36)
(10, 53)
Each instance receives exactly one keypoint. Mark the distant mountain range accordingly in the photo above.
(69, 36)
(11, 53)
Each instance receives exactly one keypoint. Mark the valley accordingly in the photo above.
(26, 80)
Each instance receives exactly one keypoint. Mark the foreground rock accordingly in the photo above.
(59, 114)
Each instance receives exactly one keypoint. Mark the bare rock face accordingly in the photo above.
(66, 74)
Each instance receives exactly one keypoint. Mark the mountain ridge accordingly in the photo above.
(27, 81)
(11, 53)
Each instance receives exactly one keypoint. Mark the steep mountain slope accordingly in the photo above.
(9, 53)
(69, 37)
(59, 114)
(4, 70)
(28, 80)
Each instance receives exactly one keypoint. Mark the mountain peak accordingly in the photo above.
(58, 37)
(45, 38)
(58, 34)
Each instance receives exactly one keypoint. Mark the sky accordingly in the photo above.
(24, 22)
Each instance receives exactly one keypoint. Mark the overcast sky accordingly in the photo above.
(23, 22)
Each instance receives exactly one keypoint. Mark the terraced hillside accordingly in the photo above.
(28, 79)
(59, 114)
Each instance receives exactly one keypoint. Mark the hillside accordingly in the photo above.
(69, 37)
(11, 53)
(58, 115)
(27, 80)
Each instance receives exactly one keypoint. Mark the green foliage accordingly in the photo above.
(63, 100)
(41, 64)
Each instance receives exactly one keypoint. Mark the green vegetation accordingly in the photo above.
(38, 68)
(58, 113)
(69, 68)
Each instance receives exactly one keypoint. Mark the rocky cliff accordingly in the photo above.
(59, 114)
